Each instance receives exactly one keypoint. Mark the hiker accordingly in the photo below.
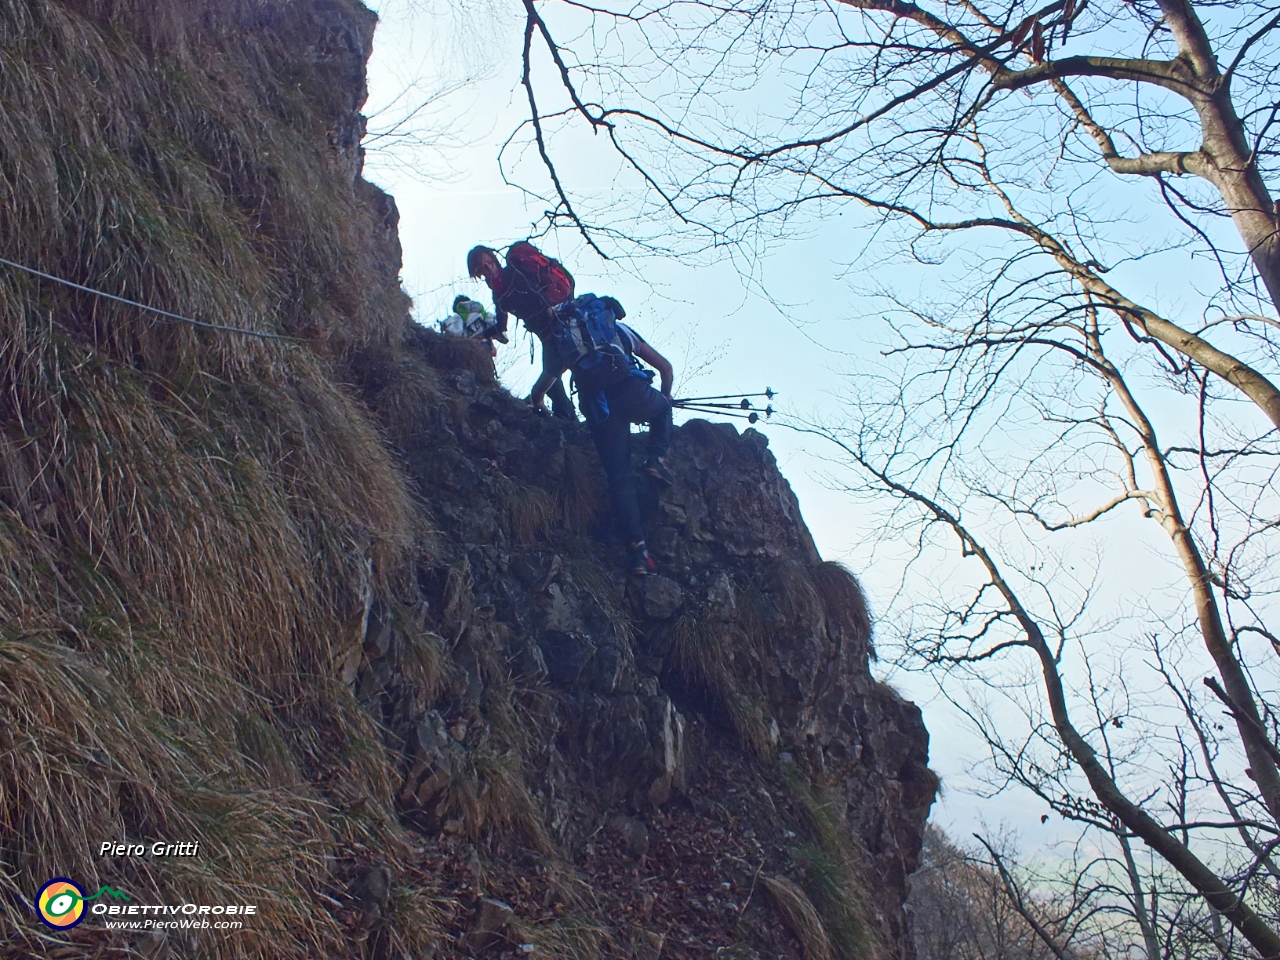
(614, 391)
(469, 319)
(529, 287)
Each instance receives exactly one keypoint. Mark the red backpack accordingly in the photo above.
(545, 277)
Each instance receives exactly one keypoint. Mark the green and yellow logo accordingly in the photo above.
(60, 902)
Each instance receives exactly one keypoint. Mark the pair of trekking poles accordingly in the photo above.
(744, 409)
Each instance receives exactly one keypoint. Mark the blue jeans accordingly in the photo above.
(631, 401)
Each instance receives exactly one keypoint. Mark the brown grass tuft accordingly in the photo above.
(799, 914)
(189, 521)
(572, 937)
(582, 496)
(833, 866)
(801, 601)
(531, 512)
(454, 353)
(715, 654)
(490, 794)
(844, 603)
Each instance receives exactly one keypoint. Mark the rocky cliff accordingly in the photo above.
(339, 608)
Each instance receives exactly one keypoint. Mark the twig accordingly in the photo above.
(750, 893)
(1243, 717)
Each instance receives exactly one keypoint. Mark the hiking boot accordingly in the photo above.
(657, 468)
(642, 565)
(500, 336)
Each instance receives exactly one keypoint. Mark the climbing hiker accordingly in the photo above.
(586, 336)
(529, 287)
(469, 319)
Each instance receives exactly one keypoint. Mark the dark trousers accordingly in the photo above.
(631, 401)
(561, 405)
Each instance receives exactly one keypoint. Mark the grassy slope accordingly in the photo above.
(193, 525)
(190, 521)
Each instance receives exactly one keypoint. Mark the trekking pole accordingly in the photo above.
(740, 405)
(726, 410)
(744, 405)
(749, 417)
(769, 393)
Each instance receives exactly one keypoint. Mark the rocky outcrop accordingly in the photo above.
(338, 607)
(746, 645)
(747, 653)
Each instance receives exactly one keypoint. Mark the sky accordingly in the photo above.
(801, 343)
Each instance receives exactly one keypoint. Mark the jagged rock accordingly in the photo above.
(560, 612)
(528, 662)
(650, 945)
(431, 737)
(378, 634)
(661, 597)
(373, 887)
(492, 918)
(566, 655)
(721, 597)
(347, 665)
(368, 684)
(745, 620)
(633, 832)
(527, 569)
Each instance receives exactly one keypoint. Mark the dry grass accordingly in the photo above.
(582, 492)
(722, 657)
(455, 613)
(415, 922)
(486, 790)
(571, 937)
(729, 658)
(801, 601)
(833, 866)
(189, 521)
(799, 914)
(490, 794)
(844, 604)
(455, 353)
(531, 513)
(600, 583)
(408, 406)
(425, 665)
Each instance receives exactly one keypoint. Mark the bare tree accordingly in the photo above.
(1047, 389)
(964, 906)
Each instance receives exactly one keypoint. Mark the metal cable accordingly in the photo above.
(143, 306)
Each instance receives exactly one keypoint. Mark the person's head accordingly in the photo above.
(458, 301)
(483, 262)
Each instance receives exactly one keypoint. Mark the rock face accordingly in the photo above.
(341, 608)
(746, 644)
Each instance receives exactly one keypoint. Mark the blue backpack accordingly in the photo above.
(588, 342)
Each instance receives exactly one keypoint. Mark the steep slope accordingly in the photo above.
(577, 700)
(341, 610)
